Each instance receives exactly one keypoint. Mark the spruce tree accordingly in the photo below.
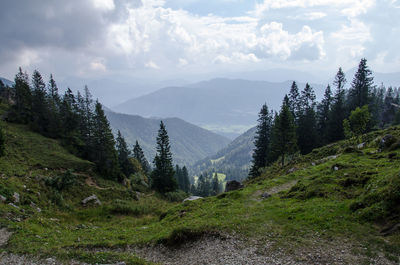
(307, 125)
(262, 141)
(2, 141)
(54, 104)
(163, 173)
(123, 156)
(389, 110)
(185, 179)
(359, 93)
(139, 156)
(284, 140)
(215, 184)
(22, 109)
(40, 111)
(338, 109)
(105, 155)
(323, 111)
(294, 101)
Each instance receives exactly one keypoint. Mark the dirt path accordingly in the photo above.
(90, 182)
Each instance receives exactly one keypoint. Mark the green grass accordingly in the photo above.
(352, 203)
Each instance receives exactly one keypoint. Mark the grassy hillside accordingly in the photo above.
(340, 199)
(189, 143)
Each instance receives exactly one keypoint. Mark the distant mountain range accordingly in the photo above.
(221, 105)
(189, 143)
(6, 81)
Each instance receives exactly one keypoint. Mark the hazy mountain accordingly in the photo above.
(233, 160)
(6, 81)
(189, 143)
(220, 105)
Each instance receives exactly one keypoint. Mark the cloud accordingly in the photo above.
(133, 37)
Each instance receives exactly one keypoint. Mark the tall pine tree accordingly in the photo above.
(307, 125)
(294, 101)
(22, 109)
(284, 137)
(139, 156)
(262, 141)
(40, 111)
(123, 156)
(105, 155)
(323, 111)
(338, 109)
(163, 173)
(359, 93)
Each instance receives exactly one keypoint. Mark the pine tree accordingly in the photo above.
(163, 173)
(40, 110)
(262, 141)
(215, 185)
(105, 155)
(2, 141)
(294, 101)
(54, 104)
(22, 110)
(123, 156)
(323, 110)
(359, 93)
(389, 110)
(307, 125)
(185, 180)
(139, 156)
(283, 134)
(338, 109)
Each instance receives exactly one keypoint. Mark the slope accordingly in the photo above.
(337, 205)
(233, 160)
(189, 143)
(221, 105)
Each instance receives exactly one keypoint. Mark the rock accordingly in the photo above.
(360, 146)
(4, 236)
(16, 197)
(192, 198)
(33, 205)
(93, 199)
(335, 168)
(2, 198)
(293, 169)
(233, 185)
(13, 205)
(313, 164)
(265, 195)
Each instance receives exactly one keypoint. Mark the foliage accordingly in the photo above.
(163, 174)
(262, 141)
(176, 196)
(357, 122)
(62, 182)
(360, 91)
(125, 164)
(2, 141)
(283, 134)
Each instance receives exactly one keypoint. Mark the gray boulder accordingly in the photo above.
(2, 198)
(265, 195)
(16, 197)
(233, 185)
(91, 199)
(192, 198)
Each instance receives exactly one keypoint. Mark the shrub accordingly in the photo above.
(176, 196)
(62, 182)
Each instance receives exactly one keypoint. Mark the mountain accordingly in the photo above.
(189, 143)
(220, 105)
(233, 160)
(6, 81)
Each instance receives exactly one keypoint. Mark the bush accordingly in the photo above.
(62, 182)
(176, 196)
(123, 207)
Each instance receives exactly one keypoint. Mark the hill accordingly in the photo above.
(6, 81)
(233, 160)
(221, 105)
(336, 205)
(189, 143)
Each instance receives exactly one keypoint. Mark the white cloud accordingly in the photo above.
(105, 5)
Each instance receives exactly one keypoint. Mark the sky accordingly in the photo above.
(125, 40)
